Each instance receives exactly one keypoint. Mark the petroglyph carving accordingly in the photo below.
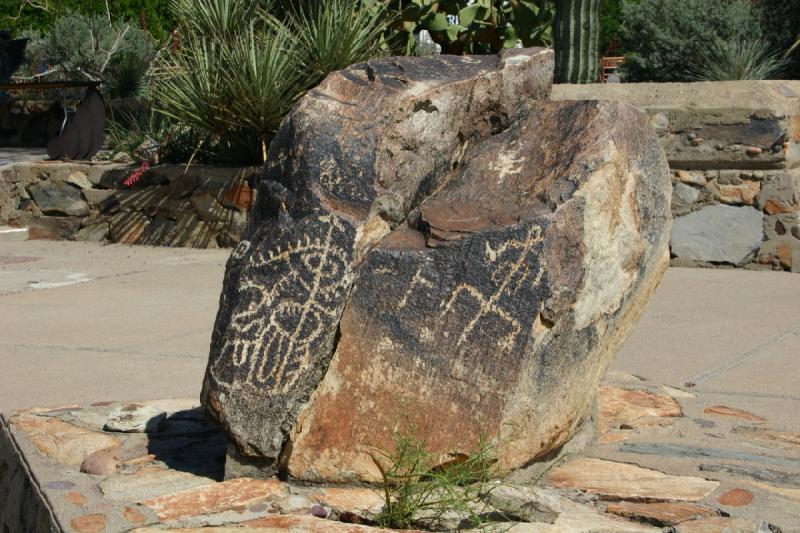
(277, 326)
(512, 270)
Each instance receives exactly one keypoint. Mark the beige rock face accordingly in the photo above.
(622, 481)
(61, 441)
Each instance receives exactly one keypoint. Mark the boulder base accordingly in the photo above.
(437, 250)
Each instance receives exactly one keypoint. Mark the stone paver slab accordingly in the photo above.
(661, 513)
(61, 441)
(623, 481)
(618, 406)
(216, 498)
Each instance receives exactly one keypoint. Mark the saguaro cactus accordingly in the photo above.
(576, 33)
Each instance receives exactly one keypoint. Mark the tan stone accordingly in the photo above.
(743, 193)
(133, 516)
(102, 462)
(775, 207)
(786, 440)
(722, 410)
(90, 523)
(736, 498)
(238, 195)
(613, 436)
(718, 525)
(215, 498)
(791, 494)
(677, 393)
(578, 518)
(128, 227)
(354, 500)
(150, 482)
(660, 513)
(76, 498)
(280, 524)
(617, 407)
(79, 179)
(784, 254)
(623, 481)
(695, 178)
(61, 441)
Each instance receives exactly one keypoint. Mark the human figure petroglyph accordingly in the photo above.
(510, 274)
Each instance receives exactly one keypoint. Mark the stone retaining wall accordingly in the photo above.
(201, 207)
(734, 149)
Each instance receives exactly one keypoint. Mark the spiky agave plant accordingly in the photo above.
(238, 65)
(739, 60)
(333, 34)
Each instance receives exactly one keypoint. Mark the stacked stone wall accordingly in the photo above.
(734, 152)
(200, 207)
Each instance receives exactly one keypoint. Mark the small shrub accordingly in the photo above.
(419, 493)
(742, 60)
(91, 45)
(670, 36)
(781, 23)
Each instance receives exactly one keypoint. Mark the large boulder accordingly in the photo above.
(436, 247)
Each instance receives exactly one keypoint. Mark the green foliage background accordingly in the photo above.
(666, 38)
(156, 14)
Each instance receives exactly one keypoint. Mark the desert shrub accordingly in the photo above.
(237, 67)
(152, 137)
(781, 23)
(91, 45)
(20, 15)
(418, 493)
(670, 36)
(610, 20)
(740, 60)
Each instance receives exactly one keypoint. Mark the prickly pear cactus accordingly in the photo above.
(474, 26)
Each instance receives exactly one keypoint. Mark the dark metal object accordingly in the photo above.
(12, 53)
(82, 136)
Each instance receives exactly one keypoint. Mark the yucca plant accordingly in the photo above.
(739, 60)
(237, 66)
(333, 34)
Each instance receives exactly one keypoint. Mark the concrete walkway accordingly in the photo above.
(81, 323)
(15, 155)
